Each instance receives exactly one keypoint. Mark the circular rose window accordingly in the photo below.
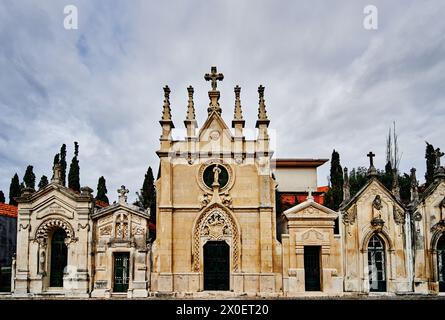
(215, 172)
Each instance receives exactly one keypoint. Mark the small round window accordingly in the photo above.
(215, 171)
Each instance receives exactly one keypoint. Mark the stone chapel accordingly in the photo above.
(220, 230)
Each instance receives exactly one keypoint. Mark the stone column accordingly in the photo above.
(22, 257)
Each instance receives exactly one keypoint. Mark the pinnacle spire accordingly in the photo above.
(238, 121)
(238, 115)
(190, 106)
(262, 114)
(166, 110)
(346, 186)
(395, 184)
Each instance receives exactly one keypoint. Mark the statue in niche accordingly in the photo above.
(377, 206)
(216, 172)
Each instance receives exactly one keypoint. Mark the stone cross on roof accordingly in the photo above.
(123, 194)
(371, 156)
(213, 76)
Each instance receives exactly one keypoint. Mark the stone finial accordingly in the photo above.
(346, 187)
(86, 191)
(123, 194)
(190, 106)
(214, 94)
(395, 184)
(414, 186)
(57, 174)
(439, 171)
(213, 76)
(238, 115)
(439, 154)
(166, 110)
(372, 171)
(262, 114)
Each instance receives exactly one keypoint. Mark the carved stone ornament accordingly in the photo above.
(377, 224)
(399, 215)
(439, 227)
(227, 200)
(417, 216)
(204, 200)
(50, 225)
(215, 224)
(350, 215)
(105, 231)
(137, 231)
(442, 204)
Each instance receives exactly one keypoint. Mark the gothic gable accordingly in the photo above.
(214, 129)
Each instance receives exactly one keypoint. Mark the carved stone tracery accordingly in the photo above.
(215, 224)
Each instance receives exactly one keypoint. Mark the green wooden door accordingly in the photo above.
(58, 258)
(121, 272)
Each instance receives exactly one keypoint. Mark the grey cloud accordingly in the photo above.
(329, 83)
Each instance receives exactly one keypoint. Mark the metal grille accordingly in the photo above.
(121, 272)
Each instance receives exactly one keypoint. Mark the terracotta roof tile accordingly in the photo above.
(8, 210)
(101, 203)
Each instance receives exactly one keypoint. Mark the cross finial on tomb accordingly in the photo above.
(213, 76)
(371, 156)
(123, 194)
(372, 171)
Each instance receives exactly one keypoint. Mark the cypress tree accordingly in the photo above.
(56, 159)
(74, 173)
(148, 193)
(387, 177)
(430, 157)
(2, 197)
(102, 190)
(63, 164)
(334, 196)
(43, 182)
(29, 178)
(14, 190)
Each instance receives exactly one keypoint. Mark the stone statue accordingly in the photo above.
(439, 155)
(377, 205)
(42, 258)
(216, 172)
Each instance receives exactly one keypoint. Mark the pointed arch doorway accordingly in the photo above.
(216, 265)
(376, 264)
(59, 258)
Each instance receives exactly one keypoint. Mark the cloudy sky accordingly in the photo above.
(330, 83)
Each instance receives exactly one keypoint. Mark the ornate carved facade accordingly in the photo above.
(217, 226)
